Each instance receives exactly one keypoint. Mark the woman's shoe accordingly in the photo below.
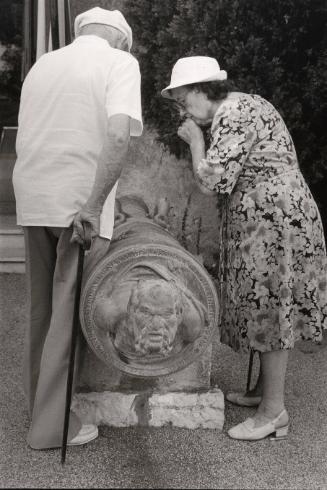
(247, 431)
(242, 400)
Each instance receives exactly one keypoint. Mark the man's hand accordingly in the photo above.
(85, 215)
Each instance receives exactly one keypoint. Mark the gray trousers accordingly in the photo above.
(51, 269)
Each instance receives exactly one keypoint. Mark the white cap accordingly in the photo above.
(97, 15)
(194, 69)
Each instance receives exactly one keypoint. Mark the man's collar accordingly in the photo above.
(91, 38)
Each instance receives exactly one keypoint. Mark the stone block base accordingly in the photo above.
(179, 409)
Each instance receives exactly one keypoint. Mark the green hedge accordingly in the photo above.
(276, 48)
(10, 74)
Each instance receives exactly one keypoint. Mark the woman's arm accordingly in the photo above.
(233, 137)
(191, 133)
(198, 154)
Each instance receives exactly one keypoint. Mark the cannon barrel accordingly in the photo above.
(148, 307)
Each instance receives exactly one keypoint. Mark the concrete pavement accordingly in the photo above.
(168, 457)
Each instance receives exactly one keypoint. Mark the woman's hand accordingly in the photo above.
(190, 132)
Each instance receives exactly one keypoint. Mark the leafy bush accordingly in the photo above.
(273, 48)
(10, 73)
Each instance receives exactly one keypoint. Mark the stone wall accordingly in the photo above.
(153, 173)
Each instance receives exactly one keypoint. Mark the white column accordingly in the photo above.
(61, 22)
(40, 38)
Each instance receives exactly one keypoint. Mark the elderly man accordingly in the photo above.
(79, 107)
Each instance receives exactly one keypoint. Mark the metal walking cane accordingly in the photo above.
(75, 329)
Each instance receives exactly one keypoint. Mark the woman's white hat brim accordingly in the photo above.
(194, 69)
(222, 75)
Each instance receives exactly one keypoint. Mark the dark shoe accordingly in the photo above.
(243, 400)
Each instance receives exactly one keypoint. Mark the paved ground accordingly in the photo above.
(167, 457)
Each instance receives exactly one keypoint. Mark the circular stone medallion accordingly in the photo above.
(148, 310)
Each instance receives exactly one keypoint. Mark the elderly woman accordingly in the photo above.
(273, 255)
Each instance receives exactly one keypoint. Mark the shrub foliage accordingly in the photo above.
(10, 61)
(271, 47)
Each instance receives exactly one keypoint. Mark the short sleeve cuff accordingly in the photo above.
(136, 127)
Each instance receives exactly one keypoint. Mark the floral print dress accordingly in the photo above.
(273, 255)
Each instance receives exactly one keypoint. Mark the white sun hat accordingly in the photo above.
(194, 69)
(97, 15)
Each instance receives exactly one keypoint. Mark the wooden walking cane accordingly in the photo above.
(75, 329)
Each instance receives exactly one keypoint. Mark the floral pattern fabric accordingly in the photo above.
(273, 255)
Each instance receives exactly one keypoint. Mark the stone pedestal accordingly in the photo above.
(96, 377)
(178, 409)
(107, 396)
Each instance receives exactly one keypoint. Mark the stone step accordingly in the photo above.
(12, 249)
(204, 410)
(12, 267)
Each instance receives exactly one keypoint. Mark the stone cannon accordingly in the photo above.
(148, 307)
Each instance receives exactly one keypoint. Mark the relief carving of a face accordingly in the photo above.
(150, 317)
(153, 316)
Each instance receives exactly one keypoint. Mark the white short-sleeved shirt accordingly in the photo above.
(66, 101)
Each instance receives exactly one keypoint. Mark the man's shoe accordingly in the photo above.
(247, 431)
(243, 400)
(86, 434)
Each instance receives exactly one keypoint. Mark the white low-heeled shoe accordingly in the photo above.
(247, 431)
(242, 400)
(87, 433)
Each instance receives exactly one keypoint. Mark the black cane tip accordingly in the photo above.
(63, 459)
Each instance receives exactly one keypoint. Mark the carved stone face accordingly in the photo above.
(153, 316)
